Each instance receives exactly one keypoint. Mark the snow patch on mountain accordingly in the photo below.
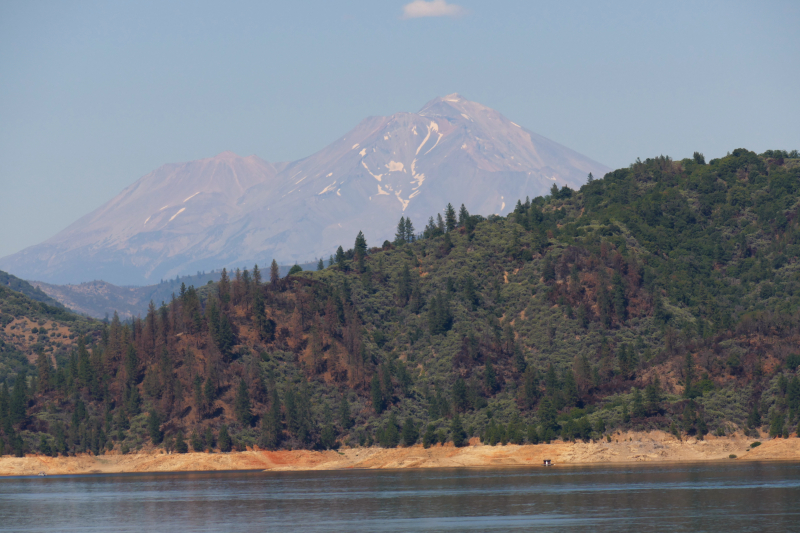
(182, 209)
(395, 166)
(376, 176)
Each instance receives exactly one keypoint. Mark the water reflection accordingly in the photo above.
(718, 497)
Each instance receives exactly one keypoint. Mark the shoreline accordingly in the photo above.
(625, 449)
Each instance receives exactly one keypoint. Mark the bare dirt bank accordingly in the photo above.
(653, 447)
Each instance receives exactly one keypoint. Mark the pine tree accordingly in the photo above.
(224, 439)
(196, 440)
(274, 272)
(242, 404)
(689, 390)
(463, 217)
(652, 397)
(224, 288)
(391, 433)
(154, 428)
(410, 432)
(180, 443)
(270, 435)
(321, 265)
(360, 247)
(378, 400)
(409, 230)
(638, 405)
(440, 225)
(450, 217)
(19, 399)
(209, 439)
(457, 433)
(460, 401)
(345, 419)
(43, 369)
(490, 377)
(327, 437)
(400, 234)
(429, 438)
(619, 297)
(404, 285)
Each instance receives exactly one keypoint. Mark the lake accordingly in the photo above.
(722, 497)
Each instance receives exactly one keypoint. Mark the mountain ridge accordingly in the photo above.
(230, 210)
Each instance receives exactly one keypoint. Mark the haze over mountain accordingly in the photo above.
(234, 211)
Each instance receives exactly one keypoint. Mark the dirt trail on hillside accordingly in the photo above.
(653, 447)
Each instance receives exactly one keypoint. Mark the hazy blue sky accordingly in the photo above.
(93, 95)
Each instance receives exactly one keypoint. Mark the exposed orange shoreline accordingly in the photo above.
(653, 447)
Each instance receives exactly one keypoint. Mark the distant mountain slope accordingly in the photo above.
(230, 210)
(100, 299)
(20, 285)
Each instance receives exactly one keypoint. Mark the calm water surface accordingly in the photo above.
(723, 497)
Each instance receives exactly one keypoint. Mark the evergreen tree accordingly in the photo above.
(490, 377)
(340, 257)
(409, 230)
(638, 404)
(400, 234)
(378, 400)
(429, 438)
(19, 399)
(224, 440)
(345, 419)
(154, 428)
(274, 272)
(754, 418)
(460, 400)
(224, 288)
(689, 390)
(410, 432)
(450, 217)
(242, 404)
(43, 369)
(327, 437)
(196, 440)
(360, 247)
(320, 265)
(457, 432)
(463, 216)
(209, 439)
(270, 431)
(404, 285)
(390, 434)
(256, 278)
(180, 443)
(652, 396)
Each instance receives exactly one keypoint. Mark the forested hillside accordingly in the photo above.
(20, 285)
(664, 295)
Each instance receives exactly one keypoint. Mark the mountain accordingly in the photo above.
(659, 297)
(231, 211)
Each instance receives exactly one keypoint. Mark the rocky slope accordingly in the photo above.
(231, 211)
